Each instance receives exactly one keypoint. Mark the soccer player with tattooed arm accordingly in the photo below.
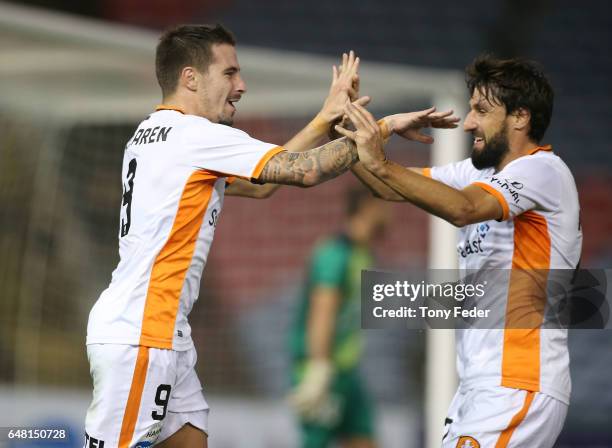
(176, 168)
(518, 200)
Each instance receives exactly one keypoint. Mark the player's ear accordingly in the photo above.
(521, 118)
(189, 78)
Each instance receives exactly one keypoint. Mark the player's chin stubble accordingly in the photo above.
(493, 152)
(227, 121)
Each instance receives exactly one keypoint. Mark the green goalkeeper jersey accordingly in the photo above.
(336, 263)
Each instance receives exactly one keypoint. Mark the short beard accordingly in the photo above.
(493, 152)
(226, 121)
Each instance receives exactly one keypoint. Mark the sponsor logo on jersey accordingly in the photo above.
(468, 442)
(483, 229)
(474, 246)
(511, 187)
(214, 217)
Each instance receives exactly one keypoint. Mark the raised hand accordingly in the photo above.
(409, 125)
(367, 135)
(344, 87)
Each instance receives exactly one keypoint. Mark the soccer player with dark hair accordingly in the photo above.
(516, 205)
(175, 171)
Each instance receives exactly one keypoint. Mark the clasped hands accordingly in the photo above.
(370, 135)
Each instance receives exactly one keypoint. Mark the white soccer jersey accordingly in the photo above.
(174, 174)
(540, 229)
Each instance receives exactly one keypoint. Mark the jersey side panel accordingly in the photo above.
(172, 263)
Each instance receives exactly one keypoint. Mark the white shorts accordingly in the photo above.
(141, 395)
(501, 417)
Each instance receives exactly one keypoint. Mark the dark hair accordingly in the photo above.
(515, 83)
(187, 45)
(356, 197)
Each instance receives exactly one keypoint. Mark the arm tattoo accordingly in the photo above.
(310, 167)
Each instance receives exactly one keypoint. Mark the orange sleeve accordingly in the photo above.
(265, 159)
(500, 198)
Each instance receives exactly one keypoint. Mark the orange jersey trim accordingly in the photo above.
(526, 302)
(427, 172)
(173, 261)
(500, 198)
(134, 397)
(265, 159)
(168, 107)
(540, 148)
(504, 437)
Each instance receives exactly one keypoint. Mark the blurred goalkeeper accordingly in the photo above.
(329, 394)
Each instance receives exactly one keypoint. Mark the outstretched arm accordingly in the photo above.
(375, 185)
(459, 207)
(409, 126)
(309, 168)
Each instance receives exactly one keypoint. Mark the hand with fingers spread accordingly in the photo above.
(409, 125)
(367, 135)
(344, 87)
(348, 70)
